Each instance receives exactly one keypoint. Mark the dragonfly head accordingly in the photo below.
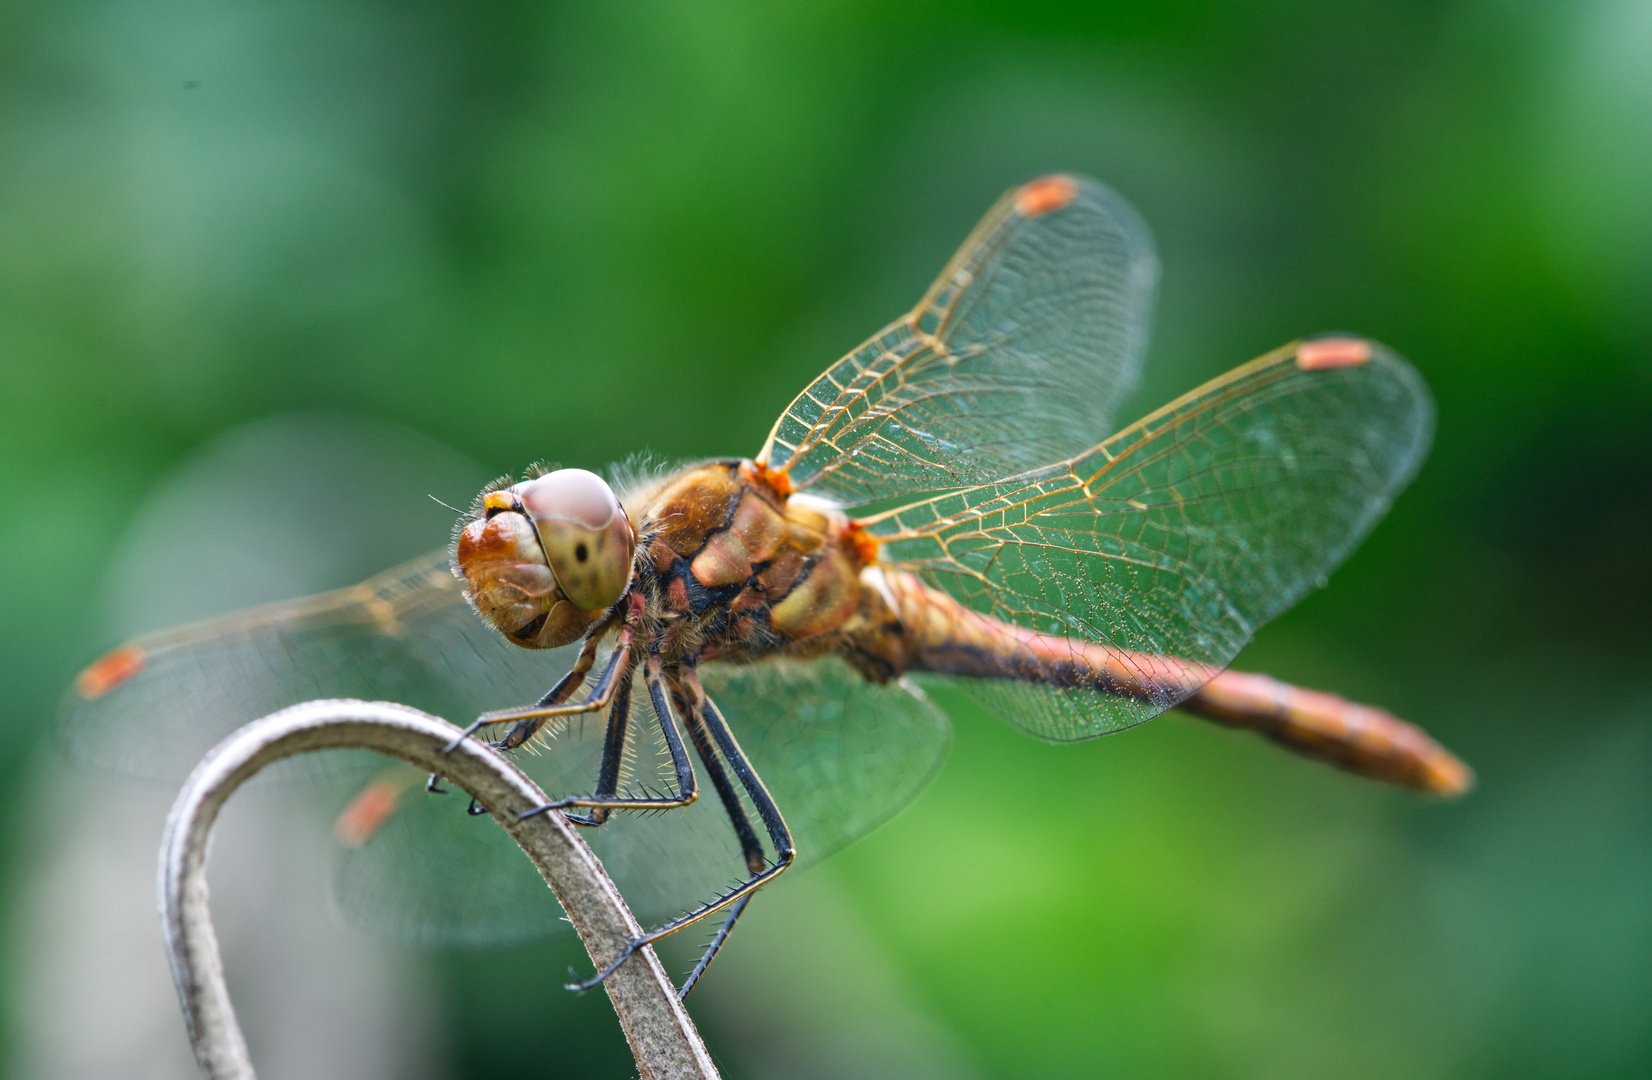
(548, 556)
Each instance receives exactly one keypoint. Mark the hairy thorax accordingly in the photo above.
(730, 568)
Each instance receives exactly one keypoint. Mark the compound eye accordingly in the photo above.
(587, 537)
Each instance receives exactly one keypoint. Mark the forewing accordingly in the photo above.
(157, 704)
(1179, 536)
(839, 755)
(1018, 355)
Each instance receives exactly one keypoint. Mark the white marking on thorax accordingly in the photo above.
(873, 576)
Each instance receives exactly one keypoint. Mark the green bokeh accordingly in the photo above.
(574, 232)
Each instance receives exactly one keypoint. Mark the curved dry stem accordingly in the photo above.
(660, 1033)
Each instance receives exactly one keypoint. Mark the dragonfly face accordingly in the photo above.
(949, 501)
(546, 557)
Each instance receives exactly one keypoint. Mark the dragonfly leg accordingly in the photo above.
(551, 704)
(779, 836)
(530, 719)
(715, 945)
(559, 693)
(686, 789)
(613, 755)
(750, 848)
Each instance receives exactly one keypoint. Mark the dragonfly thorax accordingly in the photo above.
(730, 567)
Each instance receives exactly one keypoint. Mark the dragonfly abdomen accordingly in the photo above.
(1359, 738)
(931, 631)
(942, 635)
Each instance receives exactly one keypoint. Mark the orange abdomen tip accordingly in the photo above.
(366, 813)
(1445, 775)
(1045, 194)
(109, 672)
(1325, 354)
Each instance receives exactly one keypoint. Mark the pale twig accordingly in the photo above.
(662, 1037)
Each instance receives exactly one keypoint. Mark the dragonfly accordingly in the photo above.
(948, 504)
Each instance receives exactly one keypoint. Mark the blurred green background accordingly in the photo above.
(575, 231)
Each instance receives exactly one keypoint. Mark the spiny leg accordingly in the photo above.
(779, 836)
(715, 945)
(613, 756)
(686, 790)
(528, 720)
(558, 694)
(750, 847)
(548, 705)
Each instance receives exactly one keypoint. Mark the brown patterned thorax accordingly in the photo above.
(730, 568)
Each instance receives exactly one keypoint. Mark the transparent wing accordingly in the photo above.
(1018, 355)
(1179, 536)
(435, 876)
(156, 705)
(839, 755)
